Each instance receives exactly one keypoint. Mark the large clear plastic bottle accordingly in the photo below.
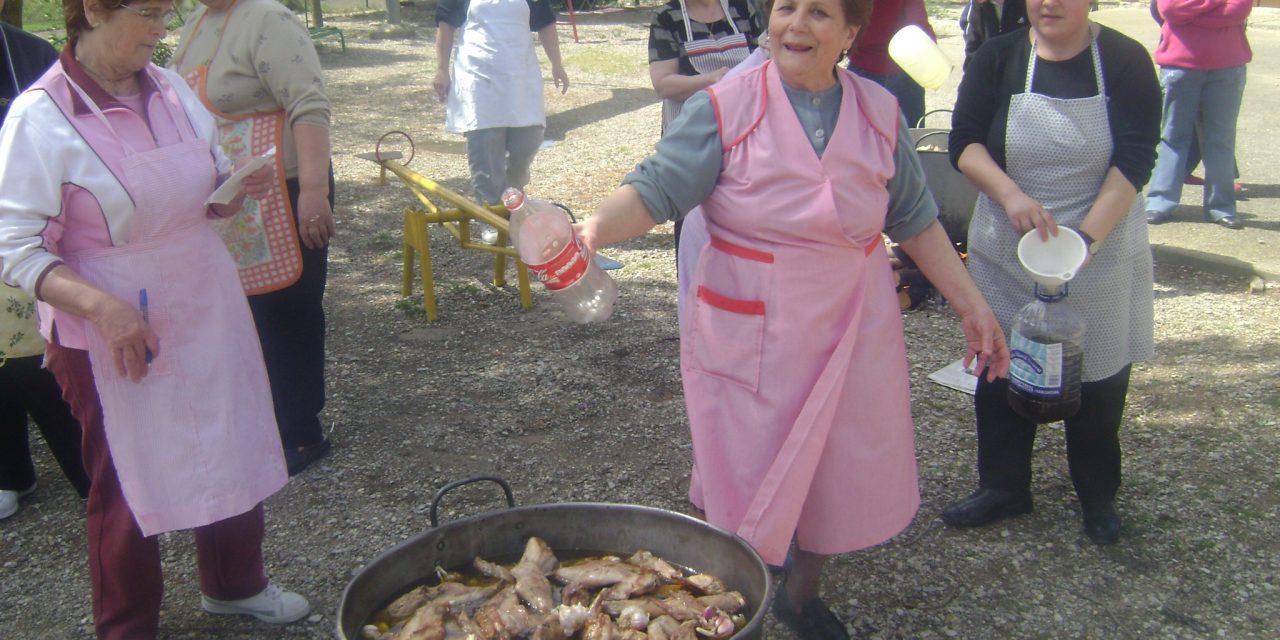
(1046, 358)
(554, 254)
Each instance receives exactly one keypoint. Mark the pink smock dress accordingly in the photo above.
(792, 351)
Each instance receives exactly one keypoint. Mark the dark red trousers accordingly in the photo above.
(124, 565)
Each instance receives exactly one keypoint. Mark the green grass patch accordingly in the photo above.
(42, 15)
(591, 61)
(410, 305)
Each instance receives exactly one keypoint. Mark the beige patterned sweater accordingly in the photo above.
(264, 61)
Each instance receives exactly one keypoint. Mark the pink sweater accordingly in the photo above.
(1203, 34)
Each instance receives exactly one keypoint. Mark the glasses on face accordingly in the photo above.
(152, 14)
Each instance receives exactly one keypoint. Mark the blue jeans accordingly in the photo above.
(909, 94)
(1214, 95)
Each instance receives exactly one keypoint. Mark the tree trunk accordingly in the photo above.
(317, 18)
(12, 12)
(393, 11)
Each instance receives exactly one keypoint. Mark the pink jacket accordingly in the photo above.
(1203, 34)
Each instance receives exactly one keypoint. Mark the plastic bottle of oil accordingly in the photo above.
(1046, 358)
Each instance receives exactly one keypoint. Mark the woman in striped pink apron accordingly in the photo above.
(692, 44)
(791, 348)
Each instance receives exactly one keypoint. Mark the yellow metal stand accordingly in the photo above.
(457, 221)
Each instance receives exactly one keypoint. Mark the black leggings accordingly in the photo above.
(291, 327)
(1006, 439)
(26, 388)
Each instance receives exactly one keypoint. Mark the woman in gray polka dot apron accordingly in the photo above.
(1057, 125)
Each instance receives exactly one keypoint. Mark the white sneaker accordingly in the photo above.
(488, 234)
(9, 500)
(273, 605)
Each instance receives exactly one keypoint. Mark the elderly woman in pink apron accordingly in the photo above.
(106, 164)
(1058, 125)
(492, 86)
(792, 352)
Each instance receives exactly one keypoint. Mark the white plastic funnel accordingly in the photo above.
(1052, 262)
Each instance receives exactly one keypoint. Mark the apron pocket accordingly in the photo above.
(728, 338)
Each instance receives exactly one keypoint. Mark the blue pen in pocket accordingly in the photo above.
(142, 306)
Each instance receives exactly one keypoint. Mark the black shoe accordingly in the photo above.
(299, 458)
(1229, 222)
(814, 621)
(1157, 217)
(1102, 523)
(986, 506)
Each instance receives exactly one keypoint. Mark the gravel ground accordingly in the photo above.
(572, 413)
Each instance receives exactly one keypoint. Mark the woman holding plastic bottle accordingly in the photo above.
(792, 352)
(1057, 125)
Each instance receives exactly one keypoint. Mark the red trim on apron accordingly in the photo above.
(733, 305)
(741, 251)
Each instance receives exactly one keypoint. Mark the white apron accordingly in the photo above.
(1058, 151)
(707, 55)
(194, 442)
(496, 78)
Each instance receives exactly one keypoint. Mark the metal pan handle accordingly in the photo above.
(435, 502)
(930, 135)
(920, 124)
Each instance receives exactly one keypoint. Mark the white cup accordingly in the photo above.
(920, 57)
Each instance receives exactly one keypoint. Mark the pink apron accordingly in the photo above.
(195, 441)
(792, 352)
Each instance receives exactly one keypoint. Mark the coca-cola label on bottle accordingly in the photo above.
(566, 268)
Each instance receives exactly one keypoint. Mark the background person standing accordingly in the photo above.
(1202, 55)
(492, 86)
(25, 386)
(693, 44)
(869, 55)
(1056, 125)
(254, 66)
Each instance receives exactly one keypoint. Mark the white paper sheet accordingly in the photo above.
(955, 376)
(227, 192)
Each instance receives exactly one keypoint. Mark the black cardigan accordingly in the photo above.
(30, 56)
(999, 70)
(983, 24)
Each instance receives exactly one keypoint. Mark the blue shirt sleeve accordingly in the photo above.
(452, 12)
(540, 15)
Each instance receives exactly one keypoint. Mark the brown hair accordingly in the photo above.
(856, 12)
(77, 19)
